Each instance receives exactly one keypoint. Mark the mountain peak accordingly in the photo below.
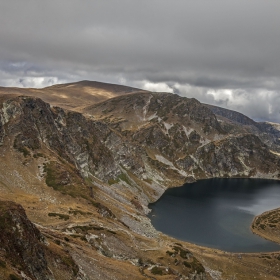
(74, 95)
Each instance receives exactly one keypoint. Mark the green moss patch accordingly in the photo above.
(122, 177)
(65, 179)
(60, 216)
(157, 270)
(2, 264)
(76, 212)
(14, 277)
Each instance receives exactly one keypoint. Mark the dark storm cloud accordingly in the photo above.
(200, 45)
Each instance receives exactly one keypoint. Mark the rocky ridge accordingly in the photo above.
(73, 95)
(233, 121)
(25, 250)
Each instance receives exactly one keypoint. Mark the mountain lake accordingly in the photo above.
(217, 213)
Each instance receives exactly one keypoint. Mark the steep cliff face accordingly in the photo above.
(135, 110)
(232, 115)
(22, 242)
(160, 138)
(24, 250)
(92, 148)
(243, 155)
(185, 141)
(34, 124)
(235, 122)
(271, 130)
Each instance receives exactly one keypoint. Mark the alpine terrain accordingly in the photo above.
(80, 162)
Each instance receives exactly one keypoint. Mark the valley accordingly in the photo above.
(84, 160)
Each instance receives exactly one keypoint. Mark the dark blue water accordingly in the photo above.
(217, 213)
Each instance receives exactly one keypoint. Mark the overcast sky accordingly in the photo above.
(222, 52)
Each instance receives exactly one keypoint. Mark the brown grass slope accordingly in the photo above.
(74, 95)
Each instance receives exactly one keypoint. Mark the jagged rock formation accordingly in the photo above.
(232, 115)
(87, 177)
(182, 137)
(24, 250)
(161, 138)
(235, 122)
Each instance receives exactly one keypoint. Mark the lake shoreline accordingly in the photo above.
(262, 225)
(222, 207)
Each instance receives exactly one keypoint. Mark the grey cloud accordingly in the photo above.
(260, 105)
(211, 44)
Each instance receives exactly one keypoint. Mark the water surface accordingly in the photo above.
(217, 213)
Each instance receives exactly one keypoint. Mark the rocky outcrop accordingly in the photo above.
(184, 140)
(25, 253)
(159, 138)
(232, 115)
(137, 109)
(240, 156)
(2, 130)
(22, 243)
(35, 124)
(235, 122)
(272, 130)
